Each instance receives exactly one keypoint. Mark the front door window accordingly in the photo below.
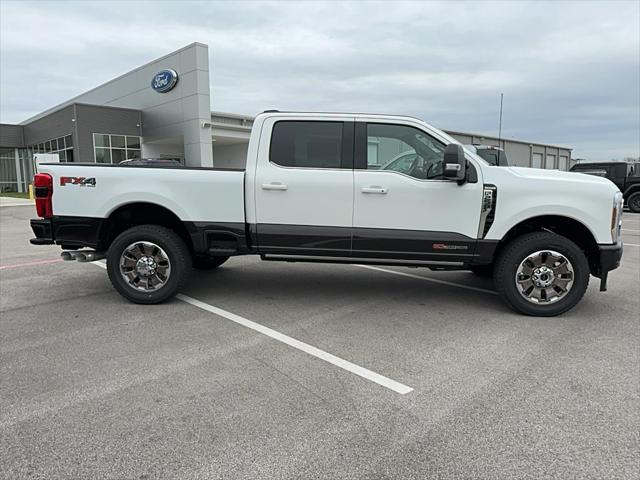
(405, 150)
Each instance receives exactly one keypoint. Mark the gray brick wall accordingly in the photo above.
(92, 119)
(54, 125)
(11, 135)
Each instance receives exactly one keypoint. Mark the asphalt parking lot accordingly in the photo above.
(419, 375)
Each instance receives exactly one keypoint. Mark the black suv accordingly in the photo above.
(626, 176)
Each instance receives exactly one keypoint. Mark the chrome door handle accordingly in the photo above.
(375, 189)
(274, 186)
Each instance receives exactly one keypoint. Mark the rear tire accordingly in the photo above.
(633, 202)
(148, 264)
(545, 292)
(208, 263)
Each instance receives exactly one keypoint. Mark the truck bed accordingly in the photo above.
(193, 194)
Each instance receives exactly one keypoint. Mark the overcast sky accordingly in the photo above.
(570, 71)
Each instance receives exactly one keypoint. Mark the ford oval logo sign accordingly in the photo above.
(164, 80)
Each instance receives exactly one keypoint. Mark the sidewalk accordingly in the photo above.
(14, 202)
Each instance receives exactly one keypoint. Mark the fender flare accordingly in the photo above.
(630, 190)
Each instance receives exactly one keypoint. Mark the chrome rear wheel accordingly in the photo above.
(145, 266)
(148, 263)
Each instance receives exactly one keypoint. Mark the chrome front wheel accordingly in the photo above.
(544, 277)
(542, 274)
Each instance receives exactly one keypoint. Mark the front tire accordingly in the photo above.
(148, 264)
(542, 274)
(633, 202)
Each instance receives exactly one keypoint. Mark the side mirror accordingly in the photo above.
(455, 165)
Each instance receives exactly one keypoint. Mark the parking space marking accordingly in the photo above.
(17, 204)
(292, 342)
(630, 230)
(428, 279)
(30, 264)
(631, 244)
(305, 347)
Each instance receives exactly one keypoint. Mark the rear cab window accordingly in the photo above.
(312, 144)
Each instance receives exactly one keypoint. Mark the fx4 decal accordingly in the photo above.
(81, 181)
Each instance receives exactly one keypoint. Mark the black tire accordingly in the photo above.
(518, 250)
(208, 263)
(177, 252)
(484, 271)
(633, 202)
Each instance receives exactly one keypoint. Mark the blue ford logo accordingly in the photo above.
(164, 80)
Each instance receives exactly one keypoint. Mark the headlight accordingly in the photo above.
(616, 217)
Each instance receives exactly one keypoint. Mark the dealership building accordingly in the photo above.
(163, 110)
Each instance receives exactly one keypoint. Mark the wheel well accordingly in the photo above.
(564, 226)
(630, 191)
(134, 214)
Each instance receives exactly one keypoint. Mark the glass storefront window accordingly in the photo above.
(119, 147)
(103, 155)
(63, 146)
(101, 140)
(118, 155)
(133, 142)
(117, 141)
(8, 172)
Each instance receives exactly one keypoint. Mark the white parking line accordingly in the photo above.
(631, 244)
(433, 280)
(17, 205)
(629, 230)
(305, 347)
(292, 342)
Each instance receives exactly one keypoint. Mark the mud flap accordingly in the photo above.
(603, 281)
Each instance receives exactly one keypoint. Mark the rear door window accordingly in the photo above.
(302, 144)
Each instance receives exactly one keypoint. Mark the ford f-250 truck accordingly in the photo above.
(308, 194)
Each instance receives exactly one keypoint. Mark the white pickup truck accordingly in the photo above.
(313, 191)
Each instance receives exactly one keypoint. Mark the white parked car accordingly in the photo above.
(307, 194)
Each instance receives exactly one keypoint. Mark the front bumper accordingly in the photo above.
(43, 230)
(610, 256)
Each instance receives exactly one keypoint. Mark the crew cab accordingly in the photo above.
(313, 191)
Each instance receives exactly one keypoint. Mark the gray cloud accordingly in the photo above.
(570, 71)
